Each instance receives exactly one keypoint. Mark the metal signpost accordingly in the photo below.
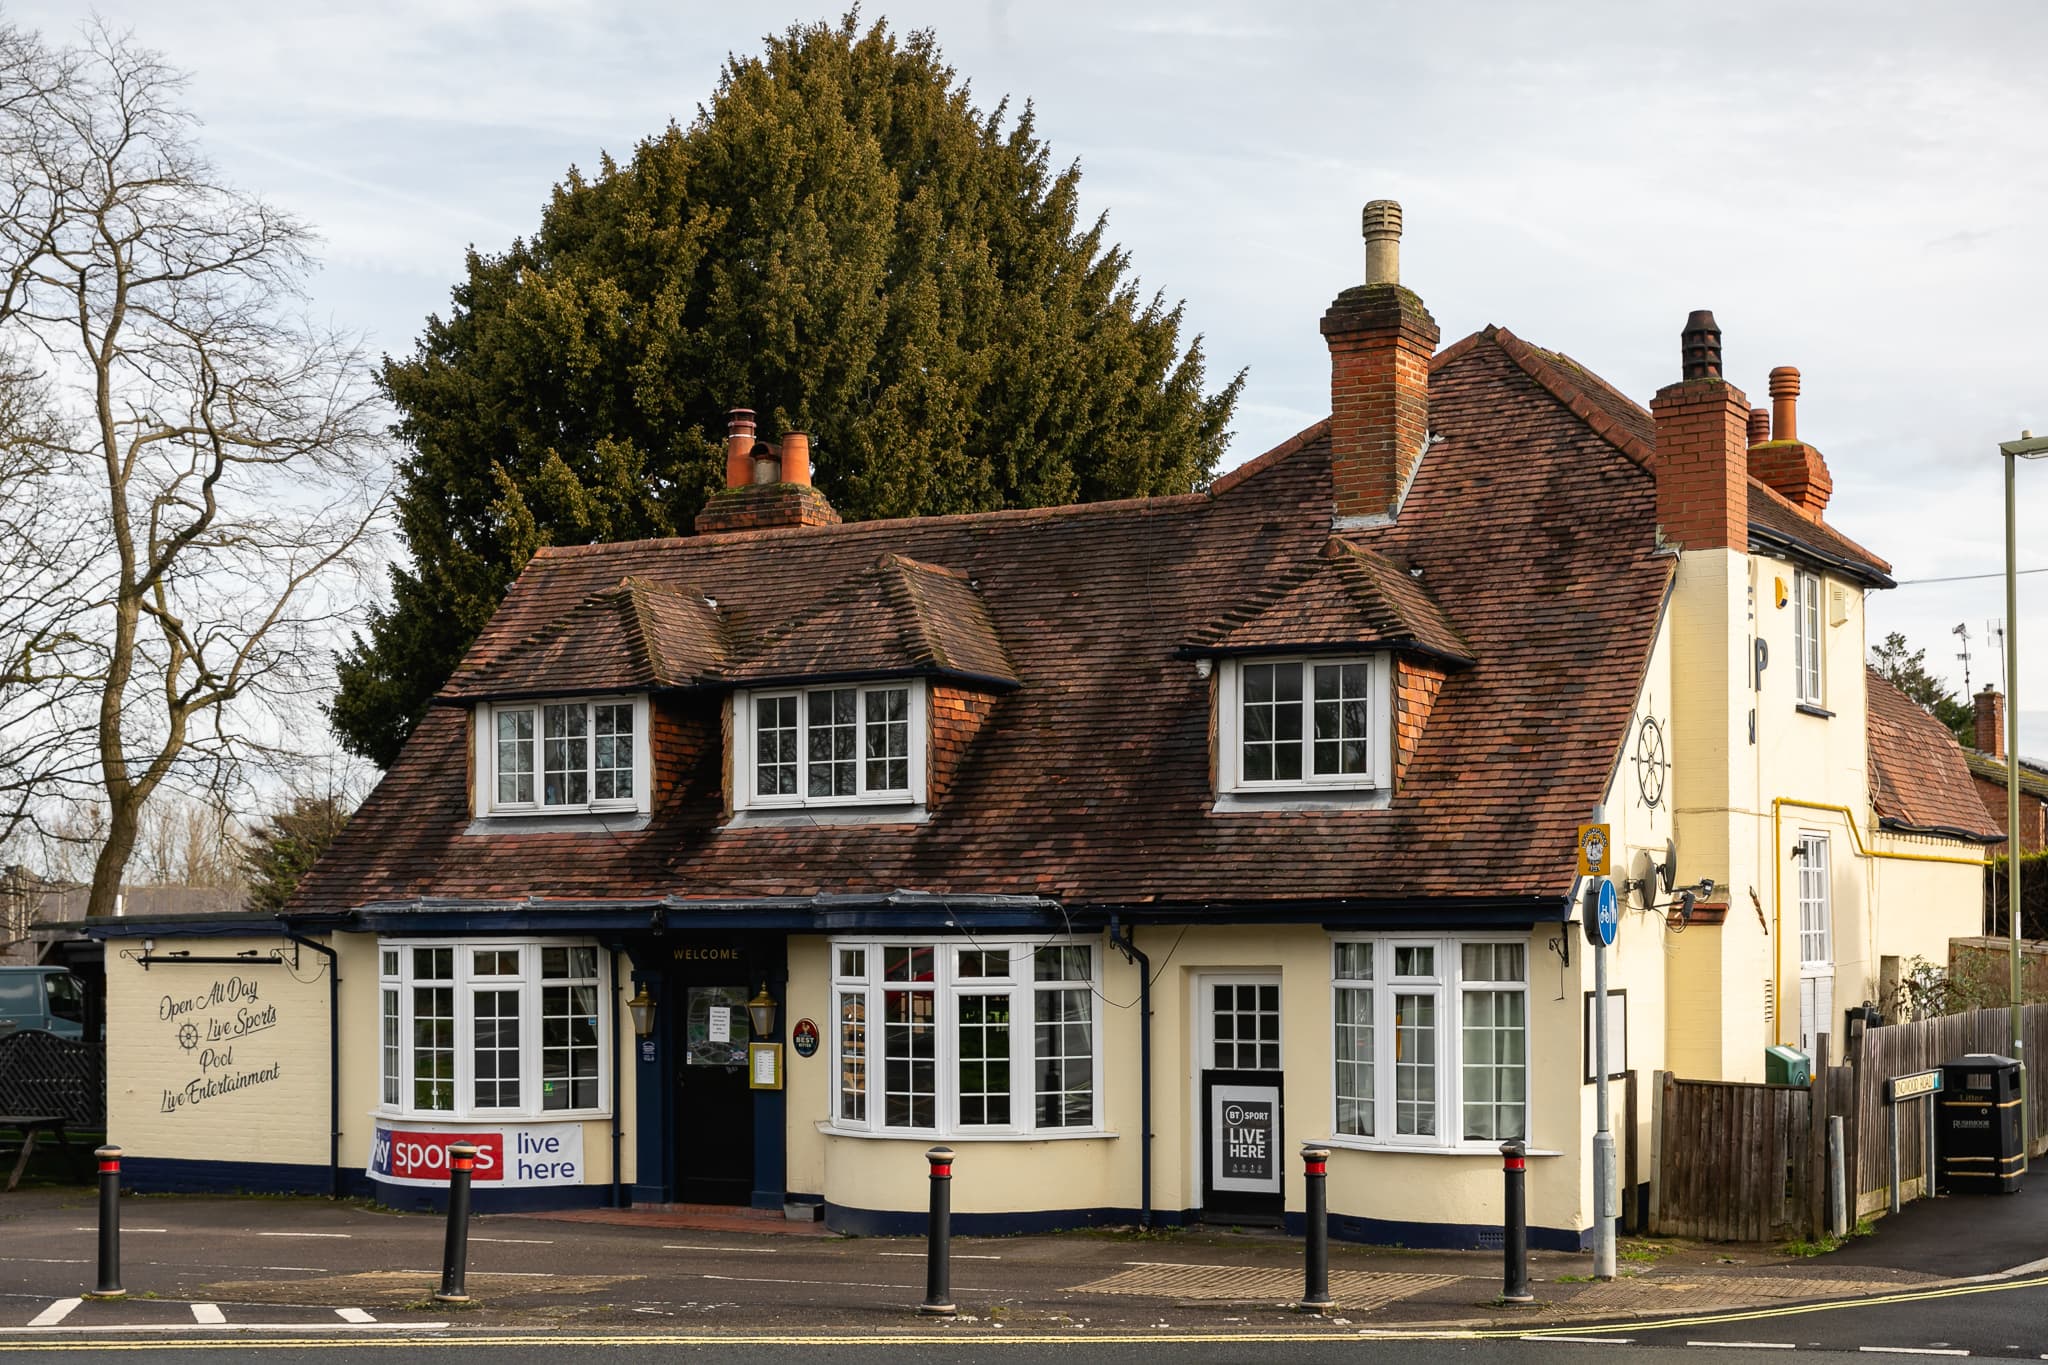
(1602, 913)
(1920, 1085)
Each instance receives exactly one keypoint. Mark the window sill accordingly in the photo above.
(805, 817)
(1355, 1144)
(1304, 798)
(1807, 708)
(561, 822)
(829, 1129)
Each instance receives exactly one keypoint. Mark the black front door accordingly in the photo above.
(714, 1113)
(1243, 1176)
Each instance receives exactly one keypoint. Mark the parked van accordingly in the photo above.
(41, 997)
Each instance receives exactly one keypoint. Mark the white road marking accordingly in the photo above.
(1912, 1350)
(342, 1235)
(313, 1269)
(957, 1255)
(55, 1313)
(688, 1246)
(237, 1327)
(44, 1260)
(1589, 1341)
(209, 1314)
(1747, 1345)
(124, 1228)
(353, 1315)
(516, 1241)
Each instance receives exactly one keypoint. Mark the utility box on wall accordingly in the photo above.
(1787, 1066)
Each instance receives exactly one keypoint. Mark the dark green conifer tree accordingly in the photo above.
(840, 240)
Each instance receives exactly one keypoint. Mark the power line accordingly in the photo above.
(1960, 578)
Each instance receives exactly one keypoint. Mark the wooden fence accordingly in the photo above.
(1732, 1161)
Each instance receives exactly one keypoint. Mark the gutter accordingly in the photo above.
(333, 1058)
(618, 1101)
(1121, 938)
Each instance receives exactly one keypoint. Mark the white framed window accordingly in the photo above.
(1816, 940)
(1806, 638)
(1304, 723)
(831, 746)
(1431, 1040)
(562, 757)
(988, 1037)
(493, 1029)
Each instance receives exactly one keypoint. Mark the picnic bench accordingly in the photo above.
(48, 1086)
(28, 1125)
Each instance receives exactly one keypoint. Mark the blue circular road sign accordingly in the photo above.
(1607, 917)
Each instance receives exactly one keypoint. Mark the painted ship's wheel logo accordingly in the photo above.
(188, 1036)
(1653, 763)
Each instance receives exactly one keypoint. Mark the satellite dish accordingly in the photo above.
(1643, 877)
(1669, 872)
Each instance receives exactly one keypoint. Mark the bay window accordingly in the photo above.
(492, 1029)
(989, 1037)
(562, 757)
(1304, 723)
(1431, 1040)
(817, 746)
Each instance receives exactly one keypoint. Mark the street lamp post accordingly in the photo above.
(2029, 447)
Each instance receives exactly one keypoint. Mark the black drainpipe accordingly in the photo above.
(333, 1059)
(617, 1101)
(1132, 953)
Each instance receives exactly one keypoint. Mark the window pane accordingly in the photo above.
(853, 1055)
(775, 746)
(984, 1043)
(433, 964)
(613, 769)
(888, 739)
(515, 757)
(1495, 1039)
(981, 963)
(494, 962)
(853, 962)
(907, 962)
(1354, 1058)
(392, 1058)
(1493, 961)
(565, 756)
(1415, 961)
(1271, 722)
(1415, 1065)
(1340, 718)
(433, 1042)
(831, 743)
(495, 1022)
(569, 963)
(1354, 962)
(1063, 1059)
(569, 1044)
(1064, 962)
(909, 1059)
(388, 961)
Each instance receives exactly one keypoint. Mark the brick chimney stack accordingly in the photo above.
(765, 486)
(1990, 708)
(1783, 462)
(1702, 448)
(1381, 339)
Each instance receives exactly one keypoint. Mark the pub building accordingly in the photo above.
(1123, 847)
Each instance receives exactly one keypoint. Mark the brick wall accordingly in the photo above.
(1702, 464)
(1381, 339)
(2033, 815)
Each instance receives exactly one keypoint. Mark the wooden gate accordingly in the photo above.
(1731, 1160)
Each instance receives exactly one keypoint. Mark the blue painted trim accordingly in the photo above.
(483, 1199)
(172, 1175)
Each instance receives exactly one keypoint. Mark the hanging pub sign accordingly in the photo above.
(804, 1038)
(1244, 1132)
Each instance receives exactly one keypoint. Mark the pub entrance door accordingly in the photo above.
(714, 1105)
(1238, 1052)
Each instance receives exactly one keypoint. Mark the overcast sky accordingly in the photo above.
(1856, 189)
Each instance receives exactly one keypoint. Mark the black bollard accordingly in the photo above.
(1514, 1281)
(110, 1226)
(938, 1254)
(455, 1252)
(1315, 1295)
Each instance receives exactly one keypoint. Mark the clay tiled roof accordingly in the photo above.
(2033, 777)
(1090, 781)
(1777, 526)
(1919, 782)
(636, 636)
(1350, 597)
(900, 617)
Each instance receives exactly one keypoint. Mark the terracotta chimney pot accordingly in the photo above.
(739, 447)
(1785, 403)
(1759, 426)
(796, 458)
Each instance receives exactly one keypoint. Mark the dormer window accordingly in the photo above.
(1304, 724)
(831, 746)
(562, 757)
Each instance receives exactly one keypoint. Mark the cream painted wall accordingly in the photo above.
(179, 1034)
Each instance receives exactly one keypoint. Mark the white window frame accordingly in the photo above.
(947, 987)
(1447, 986)
(746, 709)
(485, 757)
(1809, 652)
(466, 985)
(1815, 900)
(1230, 727)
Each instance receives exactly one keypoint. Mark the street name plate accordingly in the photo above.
(1911, 1087)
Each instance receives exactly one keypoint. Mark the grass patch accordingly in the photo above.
(1818, 1246)
(1642, 1251)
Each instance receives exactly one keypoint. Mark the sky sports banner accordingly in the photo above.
(506, 1157)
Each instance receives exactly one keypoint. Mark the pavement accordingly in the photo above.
(278, 1264)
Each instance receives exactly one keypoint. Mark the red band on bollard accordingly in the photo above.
(1315, 1168)
(938, 1171)
(465, 1163)
(1514, 1163)
(110, 1167)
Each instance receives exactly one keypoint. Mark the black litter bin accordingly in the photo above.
(1978, 1135)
